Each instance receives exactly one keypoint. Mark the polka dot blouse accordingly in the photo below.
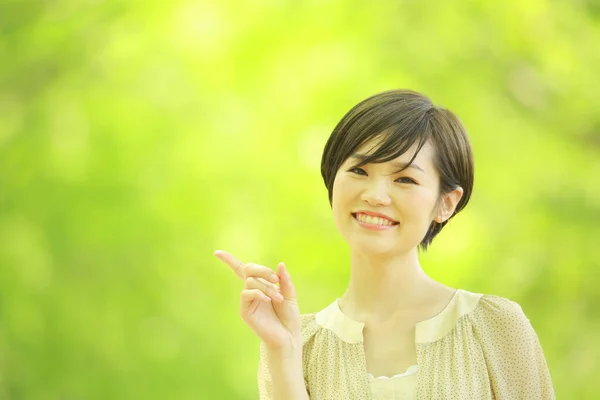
(478, 347)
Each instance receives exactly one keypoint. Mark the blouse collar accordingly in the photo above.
(429, 330)
(344, 327)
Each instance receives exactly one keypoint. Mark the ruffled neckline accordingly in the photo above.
(413, 369)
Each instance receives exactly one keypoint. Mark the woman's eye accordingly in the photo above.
(358, 171)
(406, 179)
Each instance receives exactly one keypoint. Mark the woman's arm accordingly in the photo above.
(286, 374)
(272, 312)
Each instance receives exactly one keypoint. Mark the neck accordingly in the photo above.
(381, 286)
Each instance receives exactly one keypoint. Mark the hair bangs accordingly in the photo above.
(395, 141)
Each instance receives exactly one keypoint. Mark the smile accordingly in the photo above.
(372, 222)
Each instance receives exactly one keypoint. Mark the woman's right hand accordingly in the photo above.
(271, 312)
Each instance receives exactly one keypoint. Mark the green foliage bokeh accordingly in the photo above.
(138, 137)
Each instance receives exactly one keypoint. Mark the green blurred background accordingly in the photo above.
(138, 137)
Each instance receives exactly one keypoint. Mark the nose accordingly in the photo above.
(377, 194)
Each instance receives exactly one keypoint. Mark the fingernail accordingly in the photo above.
(274, 277)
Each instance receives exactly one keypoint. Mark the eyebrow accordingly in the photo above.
(395, 164)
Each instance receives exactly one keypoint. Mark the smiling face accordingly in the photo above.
(392, 127)
(408, 198)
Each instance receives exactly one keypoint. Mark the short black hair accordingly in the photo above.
(399, 119)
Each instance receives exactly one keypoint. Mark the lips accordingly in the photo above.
(375, 214)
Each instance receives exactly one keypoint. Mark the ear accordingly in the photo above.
(448, 204)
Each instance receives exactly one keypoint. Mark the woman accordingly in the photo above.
(397, 169)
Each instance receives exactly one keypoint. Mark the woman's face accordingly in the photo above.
(408, 200)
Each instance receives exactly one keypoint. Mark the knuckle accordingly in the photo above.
(262, 281)
(250, 282)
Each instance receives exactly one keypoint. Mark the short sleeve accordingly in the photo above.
(513, 354)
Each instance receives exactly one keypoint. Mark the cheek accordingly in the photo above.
(421, 199)
(344, 198)
(336, 195)
(342, 189)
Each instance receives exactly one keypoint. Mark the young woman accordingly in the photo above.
(397, 169)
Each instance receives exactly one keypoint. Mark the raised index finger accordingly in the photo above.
(236, 265)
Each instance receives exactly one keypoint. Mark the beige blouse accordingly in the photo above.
(478, 347)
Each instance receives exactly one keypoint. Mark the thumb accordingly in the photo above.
(288, 291)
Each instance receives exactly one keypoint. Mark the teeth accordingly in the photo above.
(373, 220)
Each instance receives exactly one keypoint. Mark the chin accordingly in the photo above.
(373, 247)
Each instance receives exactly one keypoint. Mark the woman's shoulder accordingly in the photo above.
(308, 320)
(309, 326)
(498, 306)
(485, 313)
(330, 323)
(497, 313)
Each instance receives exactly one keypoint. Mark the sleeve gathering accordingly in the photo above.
(512, 351)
